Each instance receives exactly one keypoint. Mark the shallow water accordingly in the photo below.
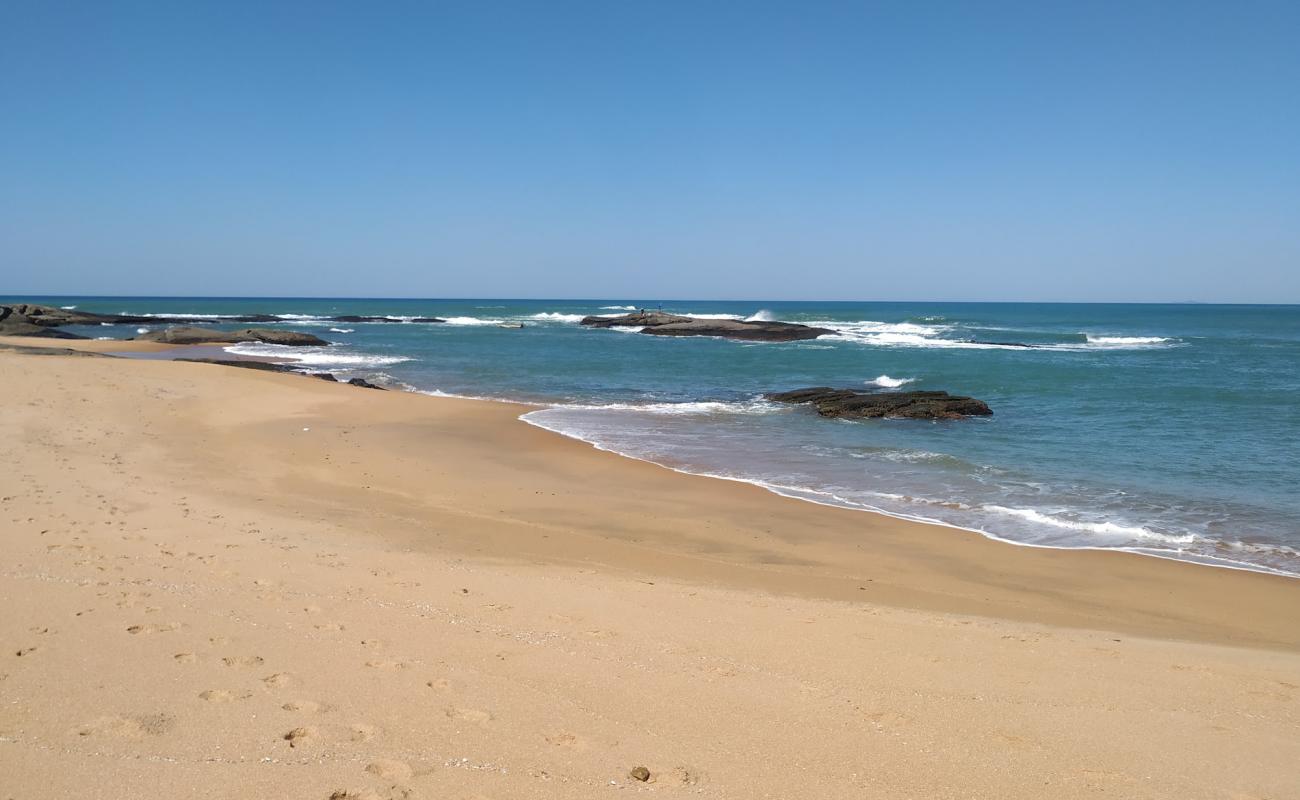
(1168, 429)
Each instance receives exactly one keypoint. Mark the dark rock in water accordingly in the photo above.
(640, 318)
(28, 320)
(852, 404)
(265, 366)
(365, 384)
(325, 376)
(639, 774)
(277, 336)
(657, 323)
(735, 329)
(192, 335)
(49, 316)
(1004, 344)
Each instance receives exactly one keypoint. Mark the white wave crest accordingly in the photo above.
(1104, 528)
(472, 321)
(886, 382)
(183, 316)
(314, 356)
(1123, 341)
(341, 330)
(762, 315)
(753, 406)
(141, 330)
(67, 308)
(555, 316)
(618, 308)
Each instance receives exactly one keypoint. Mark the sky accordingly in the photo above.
(1036, 151)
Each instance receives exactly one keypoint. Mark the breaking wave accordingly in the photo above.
(886, 382)
(472, 321)
(314, 356)
(556, 316)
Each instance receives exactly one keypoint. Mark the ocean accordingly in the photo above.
(1170, 430)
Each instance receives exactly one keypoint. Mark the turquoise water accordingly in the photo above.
(1167, 429)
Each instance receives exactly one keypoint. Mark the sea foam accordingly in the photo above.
(886, 382)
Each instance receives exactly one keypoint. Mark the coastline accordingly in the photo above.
(444, 599)
(839, 554)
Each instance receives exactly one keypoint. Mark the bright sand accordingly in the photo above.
(431, 599)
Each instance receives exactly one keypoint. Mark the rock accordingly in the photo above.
(657, 323)
(193, 335)
(325, 376)
(638, 319)
(735, 329)
(277, 336)
(852, 404)
(365, 384)
(1003, 344)
(639, 774)
(266, 366)
(29, 320)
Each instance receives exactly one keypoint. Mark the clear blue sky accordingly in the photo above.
(802, 150)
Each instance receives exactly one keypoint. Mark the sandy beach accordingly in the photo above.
(224, 583)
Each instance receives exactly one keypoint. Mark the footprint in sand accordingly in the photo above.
(361, 732)
(25, 651)
(185, 658)
(223, 695)
(152, 628)
(243, 661)
(278, 680)
(567, 740)
(306, 706)
(390, 770)
(299, 737)
(439, 684)
(136, 727)
(468, 714)
(387, 664)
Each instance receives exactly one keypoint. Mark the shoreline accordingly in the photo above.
(793, 495)
(160, 351)
(230, 581)
(918, 541)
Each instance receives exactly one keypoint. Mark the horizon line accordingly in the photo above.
(626, 300)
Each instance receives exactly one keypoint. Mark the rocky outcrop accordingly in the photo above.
(193, 335)
(276, 366)
(51, 317)
(852, 404)
(246, 363)
(657, 323)
(634, 320)
(736, 329)
(17, 320)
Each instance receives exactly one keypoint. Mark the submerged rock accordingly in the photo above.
(364, 384)
(193, 335)
(248, 363)
(852, 404)
(657, 323)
